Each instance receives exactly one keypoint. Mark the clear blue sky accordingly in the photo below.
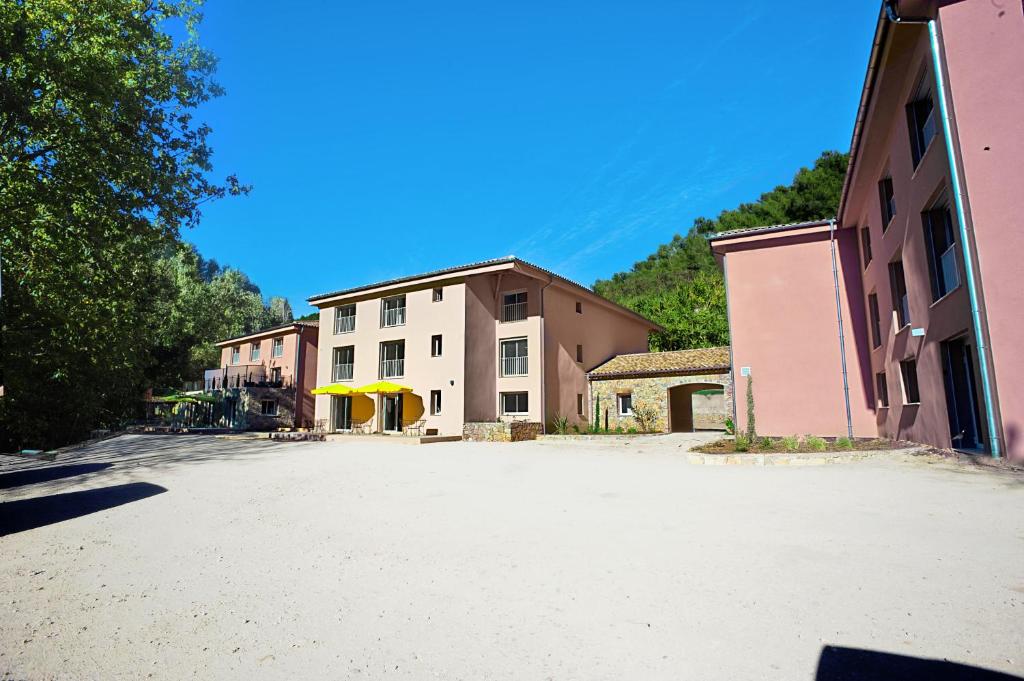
(390, 138)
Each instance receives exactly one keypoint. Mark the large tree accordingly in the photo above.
(101, 166)
(679, 285)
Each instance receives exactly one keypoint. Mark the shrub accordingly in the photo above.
(844, 443)
(646, 415)
(618, 429)
(561, 424)
(816, 443)
(751, 425)
(730, 427)
(631, 430)
(765, 443)
(742, 443)
(576, 428)
(597, 413)
(790, 443)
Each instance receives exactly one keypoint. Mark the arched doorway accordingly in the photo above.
(707, 400)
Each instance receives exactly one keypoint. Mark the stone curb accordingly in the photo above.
(803, 459)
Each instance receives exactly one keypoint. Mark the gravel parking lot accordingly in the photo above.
(174, 557)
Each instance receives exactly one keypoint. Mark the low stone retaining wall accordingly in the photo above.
(803, 459)
(618, 437)
(500, 431)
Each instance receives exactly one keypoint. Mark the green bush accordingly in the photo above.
(631, 430)
(765, 443)
(730, 427)
(816, 443)
(561, 424)
(844, 443)
(618, 429)
(790, 443)
(576, 428)
(742, 443)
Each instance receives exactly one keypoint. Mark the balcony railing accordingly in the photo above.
(345, 324)
(244, 376)
(343, 372)
(394, 316)
(513, 312)
(392, 368)
(514, 366)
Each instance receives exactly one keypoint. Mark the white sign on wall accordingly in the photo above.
(744, 371)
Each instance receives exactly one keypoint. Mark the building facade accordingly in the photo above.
(264, 378)
(901, 318)
(497, 340)
(688, 390)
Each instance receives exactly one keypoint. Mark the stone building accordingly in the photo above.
(689, 389)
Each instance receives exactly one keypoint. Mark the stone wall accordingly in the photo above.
(501, 431)
(247, 412)
(709, 412)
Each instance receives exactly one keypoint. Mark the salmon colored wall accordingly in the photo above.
(286, 361)
(305, 404)
(509, 282)
(481, 372)
(423, 373)
(782, 312)
(604, 332)
(984, 51)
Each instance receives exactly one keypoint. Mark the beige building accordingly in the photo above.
(493, 341)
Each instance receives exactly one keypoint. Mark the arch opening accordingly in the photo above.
(696, 406)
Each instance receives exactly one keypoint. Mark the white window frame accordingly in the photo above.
(264, 412)
(338, 317)
(236, 354)
(502, 357)
(435, 403)
(437, 295)
(400, 311)
(525, 303)
(620, 402)
(277, 347)
(436, 345)
(254, 351)
(335, 373)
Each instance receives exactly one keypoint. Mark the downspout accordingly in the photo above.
(732, 358)
(296, 422)
(961, 218)
(839, 318)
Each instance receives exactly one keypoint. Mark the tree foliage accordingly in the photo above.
(680, 287)
(101, 166)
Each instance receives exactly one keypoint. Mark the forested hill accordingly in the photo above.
(680, 287)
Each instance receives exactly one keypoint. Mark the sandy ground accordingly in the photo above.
(249, 559)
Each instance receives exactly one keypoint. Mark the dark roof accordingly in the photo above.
(509, 259)
(311, 323)
(767, 228)
(664, 363)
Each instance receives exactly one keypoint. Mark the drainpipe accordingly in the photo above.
(543, 387)
(959, 198)
(839, 318)
(297, 406)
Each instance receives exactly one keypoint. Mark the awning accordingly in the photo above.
(333, 389)
(384, 388)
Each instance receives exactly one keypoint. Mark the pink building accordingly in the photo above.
(265, 377)
(500, 340)
(902, 318)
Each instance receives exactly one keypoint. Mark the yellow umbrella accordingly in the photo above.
(334, 389)
(383, 388)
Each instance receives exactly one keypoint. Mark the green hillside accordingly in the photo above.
(679, 285)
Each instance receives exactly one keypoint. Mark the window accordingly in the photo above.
(515, 403)
(876, 320)
(865, 242)
(579, 353)
(438, 295)
(275, 375)
(435, 402)
(435, 346)
(921, 123)
(392, 311)
(344, 362)
(277, 349)
(254, 352)
(941, 243)
(268, 407)
(900, 300)
(625, 404)
(345, 318)
(887, 200)
(392, 359)
(236, 354)
(908, 371)
(514, 361)
(881, 390)
(579, 307)
(579, 404)
(514, 307)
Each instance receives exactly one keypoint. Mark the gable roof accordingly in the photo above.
(296, 325)
(664, 363)
(509, 261)
(718, 236)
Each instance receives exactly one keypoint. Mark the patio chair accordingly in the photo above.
(416, 427)
(321, 426)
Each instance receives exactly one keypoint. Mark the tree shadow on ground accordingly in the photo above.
(855, 664)
(31, 476)
(28, 514)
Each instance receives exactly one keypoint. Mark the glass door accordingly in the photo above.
(342, 409)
